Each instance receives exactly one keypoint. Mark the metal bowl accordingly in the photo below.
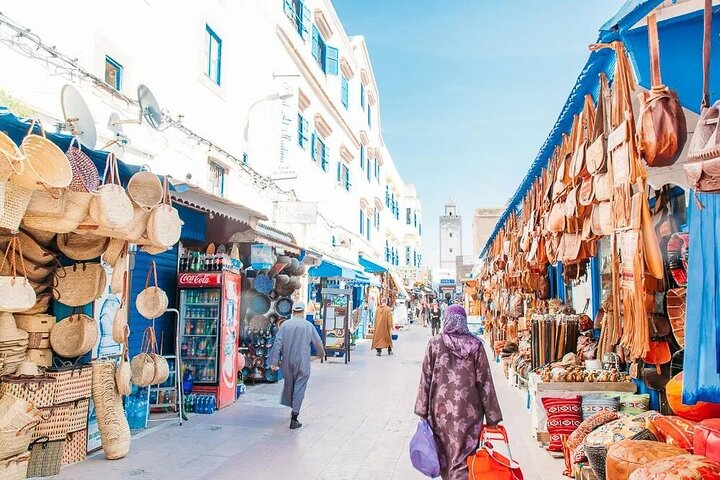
(263, 284)
(283, 306)
(260, 304)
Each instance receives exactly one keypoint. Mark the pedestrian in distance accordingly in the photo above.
(291, 350)
(456, 394)
(382, 335)
(435, 318)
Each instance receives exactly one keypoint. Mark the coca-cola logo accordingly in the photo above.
(197, 279)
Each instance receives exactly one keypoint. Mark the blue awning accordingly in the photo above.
(371, 267)
(328, 269)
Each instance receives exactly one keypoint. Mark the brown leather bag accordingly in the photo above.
(676, 308)
(571, 249)
(596, 153)
(661, 125)
(659, 354)
(703, 160)
(601, 219)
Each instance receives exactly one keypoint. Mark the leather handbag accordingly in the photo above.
(596, 153)
(677, 363)
(586, 194)
(556, 219)
(489, 464)
(706, 439)
(601, 219)
(659, 325)
(703, 160)
(676, 308)
(659, 354)
(661, 125)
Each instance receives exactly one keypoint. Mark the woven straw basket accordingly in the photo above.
(113, 426)
(115, 249)
(15, 203)
(164, 226)
(15, 468)
(162, 369)
(152, 301)
(74, 336)
(74, 381)
(145, 189)
(37, 323)
(45, 163)
(15, 441)
(57, 215)
(133, 231)
(39, 390)
(42, 237)
(16, 412)
(32, 250)
(143, 370)
(80, 284)
(123, 373)
(43, 357)
(120, 322)
(11, 158)
(53, 424)
(111, 207)
(82, 247)
(42, 304)
(75, 448)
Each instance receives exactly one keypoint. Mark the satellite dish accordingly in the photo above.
(115, 126)
(149, 107)
(77, 116)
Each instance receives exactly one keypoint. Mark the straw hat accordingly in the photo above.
(569, 360)
(82, 247)
(8, 329)
(27, 368)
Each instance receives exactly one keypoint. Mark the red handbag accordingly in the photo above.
(487, 463)
(706, 440)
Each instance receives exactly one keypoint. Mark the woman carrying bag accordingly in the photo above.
(456, 395)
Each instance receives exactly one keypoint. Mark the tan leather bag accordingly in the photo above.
(661, 126)
(571, 248)
(586, 193)
(601, 219)
(556, 218)
(596, 154)
(676, 310)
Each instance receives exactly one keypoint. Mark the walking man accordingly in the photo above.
(382, 335)
(291, 350)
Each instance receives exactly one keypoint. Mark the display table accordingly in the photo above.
(537, 389)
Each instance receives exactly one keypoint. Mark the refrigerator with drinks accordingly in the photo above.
(209, 329)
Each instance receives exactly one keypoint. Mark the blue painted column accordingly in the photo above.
(560, 282)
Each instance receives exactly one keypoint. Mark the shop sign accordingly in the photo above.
(447, 281)
(298, 213)
(284, 170)
(199, 279)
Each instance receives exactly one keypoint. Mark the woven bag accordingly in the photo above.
(73, 380)
(85, 176)
(57, 213)
(35, 273)
(123, 372)
(82, 247)
(38, 390)
(15, 468)
(120, 322)
(16, 292)
(42, 304)
(40, 323)
(53, 423)
(46, 166)
(75, 447)
(74, 336)
(15, 441)
(145, 189)
(41, 237)
(15, 202)
(164, 225)
(152, 301)
(113, 426)
(45, 458)
(133, 232)
(38, 340)
(118, 280)
(143, 364)
(116, 247)
(16, 412)
(11, 158)
(80, 284)
(162, 369)
(111, 207)
(33, 250)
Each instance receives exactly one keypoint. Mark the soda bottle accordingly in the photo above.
(213, 404)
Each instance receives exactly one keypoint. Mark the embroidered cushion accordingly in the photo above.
(634, 404)
(564, 416)
(676, 431)
(576, 447)
(592, 404)
(626, 427)
(683, 467)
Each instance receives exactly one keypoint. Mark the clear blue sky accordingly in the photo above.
(470, 89)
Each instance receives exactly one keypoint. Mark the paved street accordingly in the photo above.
(357, 423)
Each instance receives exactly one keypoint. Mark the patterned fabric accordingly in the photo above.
(456, 335)
(564, 417)
(676, 431)
(592, 404)
(634, 404)
(456, 395)
(683, 467)
(576, 447)
(627, 427)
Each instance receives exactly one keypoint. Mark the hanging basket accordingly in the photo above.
(82, 247)
(152, 301)
(46, 166)
(74, 336)
(85, 174)
(164, 225)
(15, 203)
(123, 372)
(16, 292)
(145, 189)
(79, 284)
(11, 158)
(57, 213)
(111, 207)
(32, 250)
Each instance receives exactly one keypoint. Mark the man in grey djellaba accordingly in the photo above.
(291, 350)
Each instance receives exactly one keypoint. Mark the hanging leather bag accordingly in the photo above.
(661, 125)
(703, 160)
(676, 308)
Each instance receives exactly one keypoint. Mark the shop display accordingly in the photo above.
(79, 284)
(626, 456)
(682, 467)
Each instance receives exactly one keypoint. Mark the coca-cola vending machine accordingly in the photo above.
(209, 329)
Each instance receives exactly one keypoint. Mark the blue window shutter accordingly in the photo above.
(332, 60)
(362, 222)
(312, 147)
(316, 50)
(288, 8)
(324, 156)
(339, 167)
(304, 22)
(362, 157)
(344, 91)
(362, 96)
(367, 228)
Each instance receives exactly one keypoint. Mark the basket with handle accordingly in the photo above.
(123, 372)
(16, 199)
(14, 441)
(164, 225)
(15, 468)
(73, 380)
(16, 292)
(488, 463)
(36, 323)
(53, 423)
(60, 212)
(82, 247)
(38, 390)
(162, 369)
(16, 412)
(152, 301)
(145, 189)
(75, 335)
(118, 280)
(113, 426)
(46, 166)
(75, 447)
(111, 207)
(45, 457)
(11, 158)
(79, 284)
(143, 364)
(85, 175)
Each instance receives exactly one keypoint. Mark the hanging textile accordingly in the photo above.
(701, 381)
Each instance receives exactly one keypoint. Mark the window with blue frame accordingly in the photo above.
(344, 91)
(113, 73)
(387, 251)
(407, 255)
(362, 157)
(415, 218)
(362, 96)
(320, 154)
(377, 219)
(299, 15)
(377, 170)
(420, 229)
(245, 157)
(367, 228)
(216, 178)
(302, 131)
(415, 258)
(369, 109)
(362, 222)
(408, 216)
(367, 170)
(343, 175)
(327, 57)
(213, 55)
(387, 196)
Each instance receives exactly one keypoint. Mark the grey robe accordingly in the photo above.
(292, 344)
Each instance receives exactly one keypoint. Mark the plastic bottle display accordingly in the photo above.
(202, 262)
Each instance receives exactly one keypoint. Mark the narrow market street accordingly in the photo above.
(357, 418)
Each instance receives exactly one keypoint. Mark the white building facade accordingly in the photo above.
(281, 103)
(450, 239)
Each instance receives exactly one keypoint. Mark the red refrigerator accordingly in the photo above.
(209, 328)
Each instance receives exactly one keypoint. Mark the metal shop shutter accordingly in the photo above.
(167, 280)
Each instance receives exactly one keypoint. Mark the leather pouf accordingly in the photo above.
(626, 456)
(684, 467)
(698, 412)
(706, 440)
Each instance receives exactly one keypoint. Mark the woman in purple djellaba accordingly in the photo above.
(456, 393)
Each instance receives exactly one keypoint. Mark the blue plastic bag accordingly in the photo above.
(423, 451)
